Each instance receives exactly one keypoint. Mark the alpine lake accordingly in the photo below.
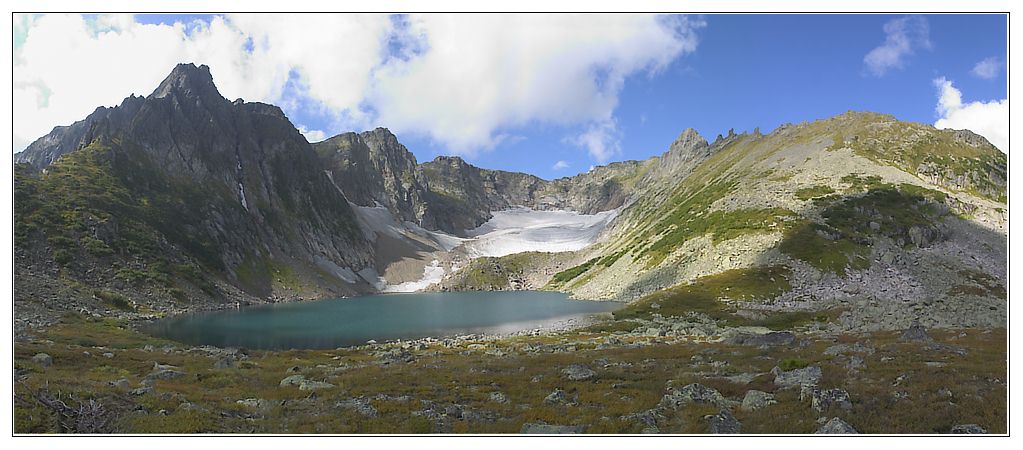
(332, 323)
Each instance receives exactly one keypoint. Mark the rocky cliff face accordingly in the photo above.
(373, 168)
(230, 187)
(65, 139)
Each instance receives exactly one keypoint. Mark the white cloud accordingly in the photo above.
(903, 36)
(465, 81)
(312, 135)
(987, 69)
(602, 140)
(988, 119)
(67, 65)
(560, 165)
(482, 73)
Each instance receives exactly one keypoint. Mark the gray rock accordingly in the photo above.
(542, 428)
(767, 339)
(498, 397)
(453, 411)
(293, 380)
(969, 428)
(122, 384)
(755, 400)
(142, 390)
(722, 423)
(359, 405)
(108, 355)
(915, 332)
(557, 396)
(223, 363)
(692, 393)
(158, 367)
(43, 359)
(798, 378)
(312, 385)
(824, 400)
(165, 374)
(254, 403)
(836, 426)
(578, 372)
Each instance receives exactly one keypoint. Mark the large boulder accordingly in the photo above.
(915, 333)
(798, 378)
(693, 393)
(722, 423)
(824, 400)
(578, 372)
(755, 400)
(43, 359)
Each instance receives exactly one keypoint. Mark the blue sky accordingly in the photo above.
(711, 73)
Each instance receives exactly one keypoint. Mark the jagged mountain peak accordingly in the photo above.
(188, 80)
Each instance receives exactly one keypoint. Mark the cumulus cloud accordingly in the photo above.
(903, 37)
(67, 65)
(476, 75)
(466, 82)
(560, 165)
(988, 119)
(987, 69)
(602, 140)
(312, 135)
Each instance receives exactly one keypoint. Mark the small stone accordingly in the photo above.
(43, 359)
(557, 396)
(122, 384)
(108, 355)
(969, 428)
(498, 397)
(837, 426)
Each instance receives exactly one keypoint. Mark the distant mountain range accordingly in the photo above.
(184, 199)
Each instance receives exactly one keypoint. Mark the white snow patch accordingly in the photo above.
(241, 192)
(524, 230)
(433, 273)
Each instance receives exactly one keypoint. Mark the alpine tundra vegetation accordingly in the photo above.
(845, 275)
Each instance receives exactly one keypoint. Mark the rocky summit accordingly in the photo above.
(846, 275)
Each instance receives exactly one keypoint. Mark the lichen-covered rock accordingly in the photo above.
(754, 400)
(692, 393)
(723, 423)
(542, 428)
(837, 426)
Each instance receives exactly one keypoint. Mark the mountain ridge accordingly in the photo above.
(220, 201)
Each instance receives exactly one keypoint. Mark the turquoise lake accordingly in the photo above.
(344, 322)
